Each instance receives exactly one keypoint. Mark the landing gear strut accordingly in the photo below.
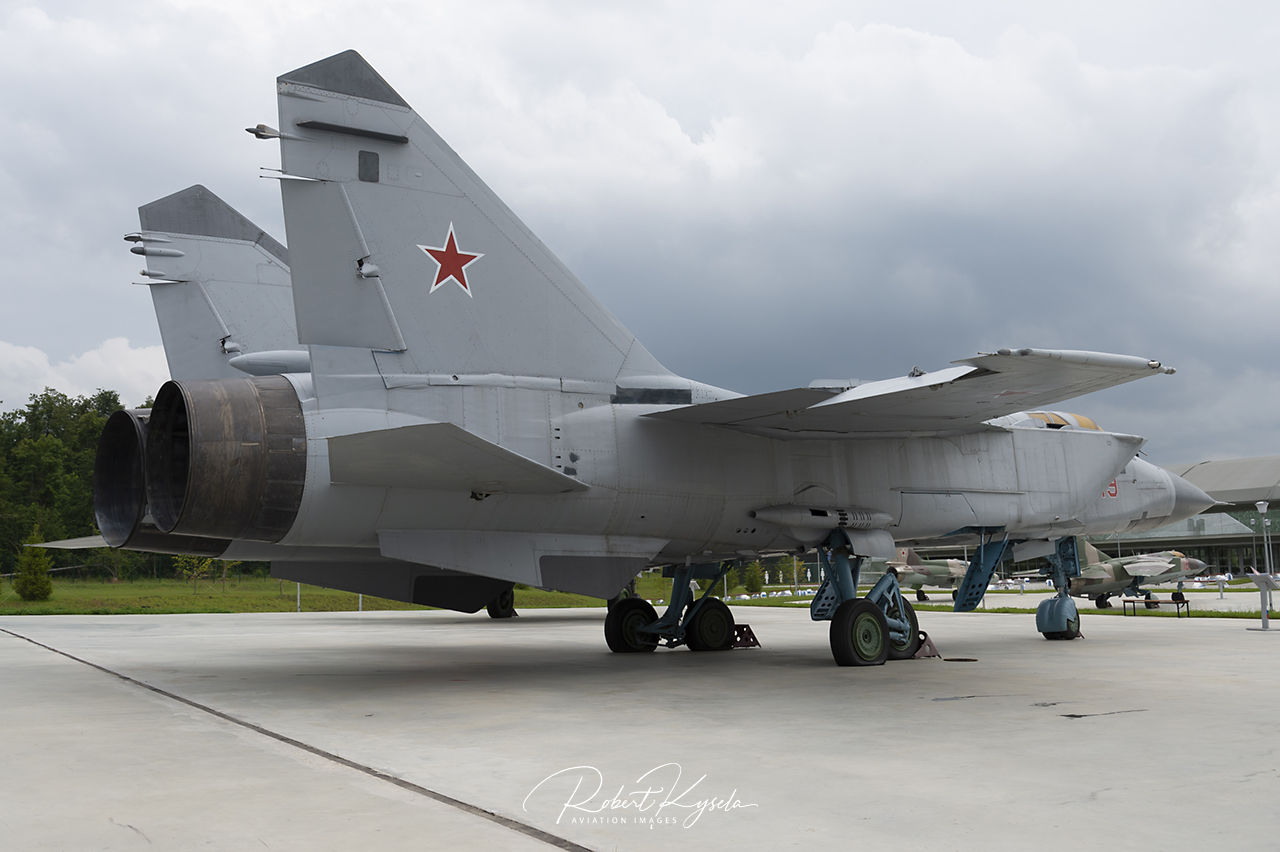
(864, 631)
(1057, 617)
(704, 624)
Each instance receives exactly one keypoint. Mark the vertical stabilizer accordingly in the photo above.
(219, 283)
(397, 246)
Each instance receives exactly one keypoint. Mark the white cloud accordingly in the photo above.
(115, 365)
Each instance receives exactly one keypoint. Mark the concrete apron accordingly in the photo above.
(1148, 733)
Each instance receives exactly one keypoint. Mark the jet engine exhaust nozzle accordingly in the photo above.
(226, 458)
(119, 484)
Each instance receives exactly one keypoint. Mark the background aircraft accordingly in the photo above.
(469, 416)
(1103, 576)
(915, 573)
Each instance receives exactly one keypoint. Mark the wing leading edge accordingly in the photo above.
(960, 397)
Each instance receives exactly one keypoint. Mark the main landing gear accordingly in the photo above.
(633, 626)
(864, 631)
(504, 605)
(1057, 617)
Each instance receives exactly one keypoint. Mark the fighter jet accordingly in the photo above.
(915, 573)
(468, 416)
(1104, 576)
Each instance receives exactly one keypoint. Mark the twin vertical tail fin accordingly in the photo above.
(220, 286)
(397, 246)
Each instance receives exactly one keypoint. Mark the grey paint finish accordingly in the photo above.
(510, 379)
(594, 565)
(334, 304)
(522, 312)
(439, 456)
(197, 211)
(990, 386)
(219, 284)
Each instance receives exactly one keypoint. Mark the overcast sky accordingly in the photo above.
(764, 194)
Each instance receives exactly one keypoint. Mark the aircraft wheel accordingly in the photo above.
(621, 623)
(859, 635)
(955, 593)
(1150, 604)
(921, 596)
(711, 629)
(1102, 602)
(1178, 596)
(907, 650)
(504, 605)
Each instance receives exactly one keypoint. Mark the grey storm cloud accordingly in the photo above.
(844, 192)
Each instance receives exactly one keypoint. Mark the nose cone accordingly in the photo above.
(1197, 567)
(1188, 500)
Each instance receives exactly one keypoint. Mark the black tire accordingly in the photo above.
(1102, 602)
(711, 628)
(1178, 596)
(921, 596)
(859, 635)
(621, 623)
(955, 593)
(908, 649)
(1150, 604)
(504, 605)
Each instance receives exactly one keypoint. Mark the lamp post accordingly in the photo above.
(1262, 507)
(1253, 542)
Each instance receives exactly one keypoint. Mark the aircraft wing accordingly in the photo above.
(960, 397)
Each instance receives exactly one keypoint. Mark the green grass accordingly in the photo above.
(1159, 613)
(93, 597)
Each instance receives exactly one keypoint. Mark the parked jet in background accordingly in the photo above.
(1103, 577)
(915, 573)
(469, 416)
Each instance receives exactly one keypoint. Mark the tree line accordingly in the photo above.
(47, 451)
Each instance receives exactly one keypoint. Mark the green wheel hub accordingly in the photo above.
(868, 638)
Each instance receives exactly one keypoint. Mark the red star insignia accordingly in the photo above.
(451, 262)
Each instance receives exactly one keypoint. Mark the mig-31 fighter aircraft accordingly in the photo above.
(457, 413)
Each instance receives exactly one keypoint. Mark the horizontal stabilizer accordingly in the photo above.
(82, 543)
(439, 456)
(960, 397)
